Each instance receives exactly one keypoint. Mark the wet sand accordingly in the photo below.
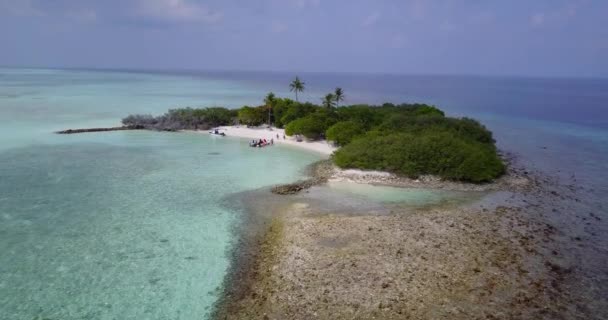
(498, 258)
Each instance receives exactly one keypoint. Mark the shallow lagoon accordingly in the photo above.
(128, 223)
(393, 195)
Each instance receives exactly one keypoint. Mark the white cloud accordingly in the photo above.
(371, 19)
(177, 10)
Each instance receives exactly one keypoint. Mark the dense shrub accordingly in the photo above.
(297, 111)
(428, 110)
(441, 154)
(219, 116)
(365, 115)
(253, 116)
(145, 120)
(312, 126)
(472, 129)
(183, 119)
(464, 127)
(279, 109)
(409, 139)
(342, 133)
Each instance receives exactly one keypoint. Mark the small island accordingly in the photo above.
(405, 139)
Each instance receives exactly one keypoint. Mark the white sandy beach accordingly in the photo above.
(265, 133)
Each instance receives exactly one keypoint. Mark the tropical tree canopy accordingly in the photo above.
(338, 95)
(252, 116)
(329, 100)
(269, 101)
(342, 133)
(296, 86)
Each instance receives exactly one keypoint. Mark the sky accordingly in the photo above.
(486, 37)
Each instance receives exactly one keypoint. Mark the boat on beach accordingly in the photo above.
(216, 132)
(260, 143)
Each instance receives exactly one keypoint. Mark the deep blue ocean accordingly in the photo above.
(134, 225)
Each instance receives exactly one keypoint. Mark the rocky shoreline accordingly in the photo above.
(85, 130)
(320, 172)
(497, 261)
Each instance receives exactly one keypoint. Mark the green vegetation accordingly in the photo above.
(312, 126)
(413, 140)
(343, 132)
(297, 111)
(408, 139)
(269, 101)
(437, 153)
(297, 86)
(338, 96)
(252, 116)
(279, 110)
(329, 101)
(184, 119)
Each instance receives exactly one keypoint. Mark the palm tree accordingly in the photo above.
(329, 100)
(269, 101)
(339, 96)
(296, 85)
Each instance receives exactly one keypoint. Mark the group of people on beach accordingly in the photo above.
(261, 143)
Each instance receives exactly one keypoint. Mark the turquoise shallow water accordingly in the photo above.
(392, 195)
(127, 224)
(118, 225)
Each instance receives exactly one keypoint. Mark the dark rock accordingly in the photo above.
(293, 188)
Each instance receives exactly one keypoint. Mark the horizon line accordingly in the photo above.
(185, 70)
